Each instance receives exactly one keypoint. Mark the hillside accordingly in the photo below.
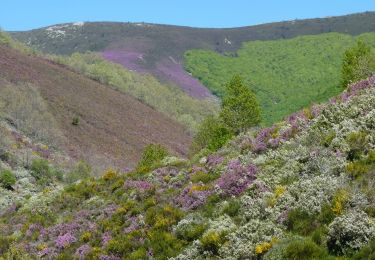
(112, 128)
(165, 98)
(286, 75)
(302, 188)
(159, 49)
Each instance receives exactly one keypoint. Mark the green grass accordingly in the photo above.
(286, 75)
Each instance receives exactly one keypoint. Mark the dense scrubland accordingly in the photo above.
(286, 75)
(300, 188)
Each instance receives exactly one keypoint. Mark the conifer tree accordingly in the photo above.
(240, 107)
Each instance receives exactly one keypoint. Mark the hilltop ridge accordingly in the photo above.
(159, 49)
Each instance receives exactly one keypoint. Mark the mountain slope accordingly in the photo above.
(159, 49)
(112, 125)
(286, 75)
(301, 189)
(167, 99)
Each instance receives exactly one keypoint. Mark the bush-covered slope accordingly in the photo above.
(300, 189)
(112, 127)
(285, 74)
(159, 49)
(167, 99)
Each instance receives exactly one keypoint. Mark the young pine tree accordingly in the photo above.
(240, 108)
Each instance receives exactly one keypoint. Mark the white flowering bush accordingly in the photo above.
(311, 193)
(241, 244)
(41, 203)
(350, 232)
(191, 227)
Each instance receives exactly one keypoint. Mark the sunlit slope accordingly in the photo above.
(285, 74)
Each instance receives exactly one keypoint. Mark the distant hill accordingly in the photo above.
(110, 125)
(286, 74)
(159, 49)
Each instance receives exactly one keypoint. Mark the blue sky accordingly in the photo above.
(28, 14)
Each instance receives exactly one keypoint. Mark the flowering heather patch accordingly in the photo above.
(168, 177)
(106, 237)
(166, 70)
(175, 72)
(109, 257)
(33, 228)
(110, 210)
(82, 251)
(139, 185)
(214, 161)
(237, 178)
(65, 240)
(131, 60)
(355, 87)
(43, 151)
(48, 253)
(193, 196)
(134, 225)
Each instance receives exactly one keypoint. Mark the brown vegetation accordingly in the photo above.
(111, 124)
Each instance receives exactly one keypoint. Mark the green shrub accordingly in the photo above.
(304, 249)
(211, 205)
(326, 214)
(30, 113)
(42, 171)
(163, 218)
(75, 120)
(357, 169)
(300, 222)
(319, 234)
(232, 208)
(164, 244)
(152, 155)
(357, 142)
(303, 223)
(367, 252)
(4, 155)
(4, 244)
(7, 179)
(358, 63)
(328, 138)
(212, 240)
(193, 232)
(82, 170)
(212, 134)
(119, 246)
(140, 253)
(203, 177)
